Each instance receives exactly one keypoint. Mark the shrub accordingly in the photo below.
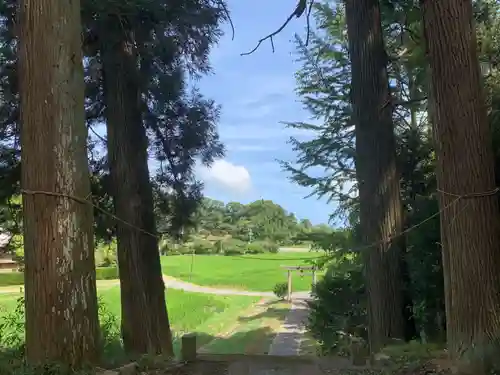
(256, 247)
(280, 290)
(234, 251)
(105, 254)
(107, 273)
(12, 327)
(17, 246)
(203, 247)
(218, 247)
(110, 331)
(271, 247)
(233, 247)
(12, 341)
(204, 233)
(165, 246)
(218, 232)
(338, 306)
(179, 250)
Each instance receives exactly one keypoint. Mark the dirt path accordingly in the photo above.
(173, 283)
(294, 249)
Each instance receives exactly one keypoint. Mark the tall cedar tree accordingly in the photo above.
(145, 325)
(324, 82)
(378, 179)
(192, 29)
(136, 55)
(61, 302)
(465, 165)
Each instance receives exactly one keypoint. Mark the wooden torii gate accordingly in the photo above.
(301, 269)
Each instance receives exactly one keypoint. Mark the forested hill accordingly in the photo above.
(259, 220)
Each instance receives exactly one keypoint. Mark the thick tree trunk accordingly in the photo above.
(60, 289)
(431, 113)
(465, 165)
(145, 325)
(378, 179)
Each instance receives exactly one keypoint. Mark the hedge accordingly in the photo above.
(17, 278)
(11, 278)
(107, 273)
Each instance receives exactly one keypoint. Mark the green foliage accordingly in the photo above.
(12, 335)
(204, 313)
(12, 328)
(338, 307)
(280, 290)
(255, 248)
(234, 246)
(107, 273)
(262, 220)
(110, 332)
(271, 247)
(260, 247)
(167, 64)
(16, 245)
(203, 247)
(323, 83)
(105, 253)
(218, 247)
(12, 338)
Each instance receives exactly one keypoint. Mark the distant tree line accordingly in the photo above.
(260, 226)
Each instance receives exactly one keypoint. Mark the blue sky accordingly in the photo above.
(257, 93)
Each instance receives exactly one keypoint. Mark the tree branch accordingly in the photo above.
(104, 140)
(224, 8)
(394, 103)
(300, 9)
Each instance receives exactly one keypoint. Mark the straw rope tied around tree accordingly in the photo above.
(457, 198)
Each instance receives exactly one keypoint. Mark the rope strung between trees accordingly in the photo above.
(457, 197)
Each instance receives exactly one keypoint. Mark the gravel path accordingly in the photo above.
(289, 338)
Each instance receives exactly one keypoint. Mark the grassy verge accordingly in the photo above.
(250, 272)
(188, 312)
(254, 332)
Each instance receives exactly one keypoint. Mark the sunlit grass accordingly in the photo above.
(250, 272)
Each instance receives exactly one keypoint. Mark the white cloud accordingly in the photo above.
(258, 132)
(223, 173)
(237, 147)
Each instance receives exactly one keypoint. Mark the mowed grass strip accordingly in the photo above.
(255, 331)
(188, 312)
(250, 272)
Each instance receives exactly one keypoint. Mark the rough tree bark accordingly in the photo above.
(60, 289)
(378, 179)
(145, 324)
(465, 165)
